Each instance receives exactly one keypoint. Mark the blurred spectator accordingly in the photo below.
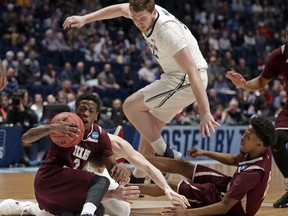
(67, 87)
(50, 76)
(213, 99)
(221, 84)
(12, 82)
(280, 100)
(60, 42)
(21, 114)
(253, 102)
(242, 68)
(26, 76)
(126, 80)
(9, 61)
(20, 60)
(219, 113)
(50, 99)
(33, 61)
(117, 115)
(214, 69)
(147, 74)
(224, 41)
(62, 97)
(37, 106)
(91, 77)
(50, 47)
(79, 75)
(67, 73)
(233, 115)
(106, 78)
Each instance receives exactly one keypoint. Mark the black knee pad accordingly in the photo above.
(101, 180)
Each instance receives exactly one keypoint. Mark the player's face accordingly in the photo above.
(143, 19)
(249, 141)
(87, 111)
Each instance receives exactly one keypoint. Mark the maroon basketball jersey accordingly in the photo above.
(277, 65)
(250, 183)
(94, 141)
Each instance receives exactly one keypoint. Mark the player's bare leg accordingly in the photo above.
(149, 127)
(182, 167)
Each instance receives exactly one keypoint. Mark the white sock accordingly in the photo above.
(159, 146)
(88, 208)
(139, 173)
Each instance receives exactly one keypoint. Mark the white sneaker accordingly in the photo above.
(177, 155)
(14, 207)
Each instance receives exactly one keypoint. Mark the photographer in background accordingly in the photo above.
(21, 114)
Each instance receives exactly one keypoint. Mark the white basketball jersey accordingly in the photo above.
(168, 36)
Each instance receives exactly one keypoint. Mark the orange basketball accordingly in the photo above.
(65, 141)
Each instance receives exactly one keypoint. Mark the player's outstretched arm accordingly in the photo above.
(123, 192)
(123, 149)
(60, 127)
(186, 62)
(219, 208)
(225, 158)
(251, 85)
(3, 77)
(109, 12)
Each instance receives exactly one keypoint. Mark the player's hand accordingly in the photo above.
(195, 152)
(120, 174)
(65, 128)
(177, 198)
(207, 123)
(174, 211)
(236, 78)
(74, 22)
(125, 193)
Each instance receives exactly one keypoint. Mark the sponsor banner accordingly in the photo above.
(10, 145)
(226, 139)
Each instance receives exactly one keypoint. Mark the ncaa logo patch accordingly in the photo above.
(95, 135)
(2, 144)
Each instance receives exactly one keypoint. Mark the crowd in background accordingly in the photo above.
(48, 65)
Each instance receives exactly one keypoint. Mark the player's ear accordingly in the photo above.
(260, 143)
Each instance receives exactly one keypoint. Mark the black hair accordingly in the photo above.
(89, 96)
(264, 129)
(97, 160)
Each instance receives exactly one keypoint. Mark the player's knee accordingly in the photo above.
(101, 180)
(126, 105)
(117, 207)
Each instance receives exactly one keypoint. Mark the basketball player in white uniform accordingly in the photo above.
(184, 80)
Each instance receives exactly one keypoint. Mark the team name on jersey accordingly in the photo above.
(81, 153)
(153, 48)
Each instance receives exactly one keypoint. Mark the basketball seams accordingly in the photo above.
(62, 140)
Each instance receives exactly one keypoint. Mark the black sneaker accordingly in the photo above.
(172, 153)
(134, 180)
(282, 202)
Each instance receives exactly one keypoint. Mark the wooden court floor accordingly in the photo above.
(20, 186)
